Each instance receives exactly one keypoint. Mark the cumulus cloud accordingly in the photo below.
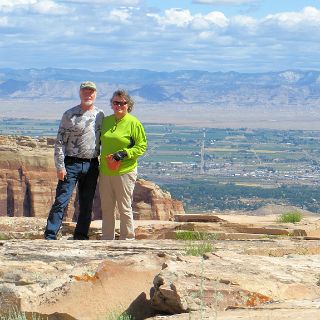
(217, 18)
(10, 5)
(4, 21)
(38, 6)
(50, 7)
(122, 15)
(244, 21)
(308, 16)
(174, 16)
(183, 18)
(128, 34)
(105, 2)
(225, 2)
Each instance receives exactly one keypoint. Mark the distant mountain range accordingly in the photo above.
(291, 88)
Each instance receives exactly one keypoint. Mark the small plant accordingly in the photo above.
(194, 235)
(19, 315)
(198, 249)
(4, 236)
(293, 217)
(117, 315)
(199, 243)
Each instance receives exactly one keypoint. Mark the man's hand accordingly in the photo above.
(119, 155)
(61, 174)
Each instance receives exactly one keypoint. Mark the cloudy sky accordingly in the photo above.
(161, 35)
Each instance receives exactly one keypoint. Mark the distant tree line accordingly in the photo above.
(206, 196)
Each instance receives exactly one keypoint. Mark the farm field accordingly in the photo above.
(220, 168)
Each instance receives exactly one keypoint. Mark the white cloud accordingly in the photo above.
(97, 32)
(38, 6)
(105, 2)
(174, 16)
(121, 15)
(49, 7)
(213, 19)
(204, 35)
(244, 21)
(4, 21)
(308, 16)
(11, 5)
(183, 18)
(225, 2)
(217, 18)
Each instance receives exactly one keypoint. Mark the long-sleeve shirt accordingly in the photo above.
(128, 135)
(78, 135)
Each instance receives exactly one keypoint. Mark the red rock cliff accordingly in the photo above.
(28, 181)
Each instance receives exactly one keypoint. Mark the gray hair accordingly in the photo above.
(124, 94)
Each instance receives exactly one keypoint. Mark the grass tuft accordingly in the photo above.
(199, 249)
(4, 236)
(194, 235)
(293, 217)
(115, 315)
(20, 315)
(199, 243)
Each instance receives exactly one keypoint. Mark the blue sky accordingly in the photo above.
(212, 35)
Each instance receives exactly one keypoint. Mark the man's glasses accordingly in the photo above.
(119, 103)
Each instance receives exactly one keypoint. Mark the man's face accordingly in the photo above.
(87, 97)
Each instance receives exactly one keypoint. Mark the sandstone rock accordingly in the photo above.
(247, 279)
(197, 218)
(28, 182)
(147, 195)
(240, 280)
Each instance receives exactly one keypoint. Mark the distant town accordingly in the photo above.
(220, 169)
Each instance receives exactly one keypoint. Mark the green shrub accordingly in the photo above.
(293, 217)
(188, 235)
(19, 315)
(198, 243)
(199, 249)
(4, 236)
(115, 315)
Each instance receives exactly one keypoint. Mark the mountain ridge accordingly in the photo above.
(288, 88)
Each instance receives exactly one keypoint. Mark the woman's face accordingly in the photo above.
(119, 106)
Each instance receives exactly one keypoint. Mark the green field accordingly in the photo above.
(218, 169)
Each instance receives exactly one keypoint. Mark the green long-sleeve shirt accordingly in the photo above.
(121, 135)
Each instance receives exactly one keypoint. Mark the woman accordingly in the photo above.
(123, 141)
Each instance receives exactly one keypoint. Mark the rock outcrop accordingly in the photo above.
(265, 277)
(28, 181)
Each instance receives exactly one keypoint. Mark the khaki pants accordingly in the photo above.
(117, 190)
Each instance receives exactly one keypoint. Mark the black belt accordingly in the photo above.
(75, 159)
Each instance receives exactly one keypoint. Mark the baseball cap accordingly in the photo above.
(88, 84)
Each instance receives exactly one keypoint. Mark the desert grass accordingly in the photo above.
(292, 217)
(4, 236)
(117, 315)
(20, 315)
(198, 243)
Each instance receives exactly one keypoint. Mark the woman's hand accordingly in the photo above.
(120, 155)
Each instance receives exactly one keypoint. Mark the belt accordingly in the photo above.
(75, 159)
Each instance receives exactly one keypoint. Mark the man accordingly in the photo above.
(76, 159)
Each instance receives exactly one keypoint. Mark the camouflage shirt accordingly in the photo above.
(78, 135)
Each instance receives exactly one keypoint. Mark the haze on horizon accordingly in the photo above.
(211, 35)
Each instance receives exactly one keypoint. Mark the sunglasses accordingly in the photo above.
(119, 103)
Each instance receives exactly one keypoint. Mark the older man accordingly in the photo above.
(76, 158)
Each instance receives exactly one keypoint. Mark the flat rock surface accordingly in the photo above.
(270, 277)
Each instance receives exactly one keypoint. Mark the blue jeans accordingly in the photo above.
(84, 173)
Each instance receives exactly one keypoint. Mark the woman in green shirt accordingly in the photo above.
(123, 141)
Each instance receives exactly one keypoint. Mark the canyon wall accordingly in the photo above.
(28, 182)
